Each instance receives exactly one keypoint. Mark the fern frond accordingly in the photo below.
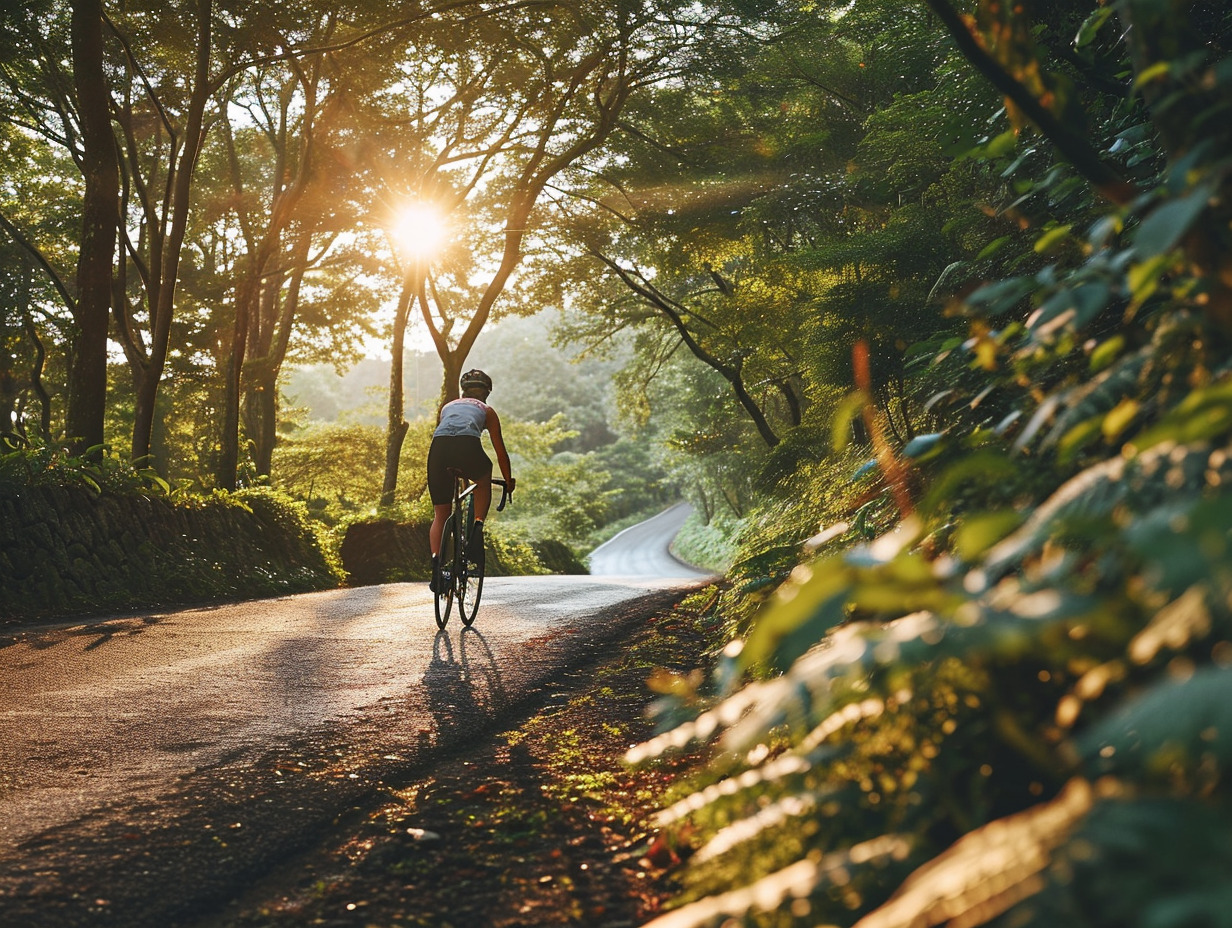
(1174, 724)
(799, 880)
(989, 870)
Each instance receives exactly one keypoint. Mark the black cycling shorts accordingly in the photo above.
(461, 452)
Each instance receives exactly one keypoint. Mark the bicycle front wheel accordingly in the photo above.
(447, 582)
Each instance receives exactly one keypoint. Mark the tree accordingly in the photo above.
(43, 103)
(267, 293)
(161, 119)
(41, 225)
(529, 96)
(100, 221)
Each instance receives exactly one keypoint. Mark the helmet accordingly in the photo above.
(476, 378)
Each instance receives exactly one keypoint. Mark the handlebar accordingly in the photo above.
(506, 493)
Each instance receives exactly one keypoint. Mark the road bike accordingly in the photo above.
(462, 570)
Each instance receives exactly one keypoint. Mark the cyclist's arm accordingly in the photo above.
(498, 445)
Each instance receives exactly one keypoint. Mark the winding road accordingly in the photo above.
(151, 763)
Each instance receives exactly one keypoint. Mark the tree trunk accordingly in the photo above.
(9, 386)
(87, 380)
(261, 408)
(453, 362)
(793, 400)
(397, 425)
(229, 443)
(40, 352)
(267, 364)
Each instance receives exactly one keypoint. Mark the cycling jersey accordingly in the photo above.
(465, 416)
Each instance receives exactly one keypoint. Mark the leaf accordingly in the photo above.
(1106, 352)
(1091, 26)
(1222, 72)
(1144, 278)
(1205, 413)
(864, 469)
(1069, 310)
(922, 444)
(1173, 722)
(1103, 229)
(978, 533)
(1050, 239)
(1002, 296)
(1157, 71)
(1166, 225)
(992, 247)
(1078, 437)
(1119, 419)
(997, 146)
(799, 614)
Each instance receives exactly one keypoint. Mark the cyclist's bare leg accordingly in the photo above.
(440, 514)
(483, 498)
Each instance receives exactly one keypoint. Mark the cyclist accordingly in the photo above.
(455, 444)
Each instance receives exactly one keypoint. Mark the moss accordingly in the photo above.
(81, 550)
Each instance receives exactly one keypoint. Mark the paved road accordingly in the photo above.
(134, 749)
(644, 550)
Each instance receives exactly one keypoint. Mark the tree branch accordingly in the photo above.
(1073, 147)
(31, 249)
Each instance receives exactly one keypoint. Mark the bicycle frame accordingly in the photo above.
(459, 496)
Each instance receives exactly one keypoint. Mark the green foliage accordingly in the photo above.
(99, 470)
(707, 544)
(1007, 702)
(562, 495)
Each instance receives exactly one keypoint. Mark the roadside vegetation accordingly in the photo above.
(979, 672)
(925, 308)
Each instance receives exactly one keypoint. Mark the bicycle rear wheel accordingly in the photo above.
(447, 581)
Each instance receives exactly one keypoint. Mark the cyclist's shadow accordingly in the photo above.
(479, 668)
(462, 692)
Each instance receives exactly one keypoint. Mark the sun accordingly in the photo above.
(418, 229)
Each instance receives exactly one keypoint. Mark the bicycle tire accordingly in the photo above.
(470, 577)
(448, 572)
(468, 598)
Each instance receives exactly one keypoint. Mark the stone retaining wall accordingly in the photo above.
(67, 551)
(383, 551)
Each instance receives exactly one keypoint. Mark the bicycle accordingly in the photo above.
(461, 570)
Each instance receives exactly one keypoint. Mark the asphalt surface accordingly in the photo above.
(152, 765)
(645, 550)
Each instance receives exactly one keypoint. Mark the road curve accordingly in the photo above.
(644, 550)
(153, 762)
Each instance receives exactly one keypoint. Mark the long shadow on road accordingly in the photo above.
(177, 859)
